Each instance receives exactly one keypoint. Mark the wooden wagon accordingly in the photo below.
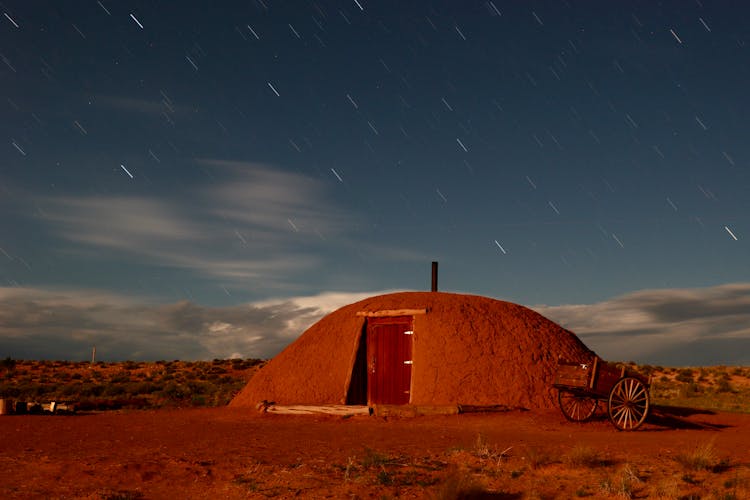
(582, 385)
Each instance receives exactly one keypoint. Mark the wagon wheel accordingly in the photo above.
(575, 407)
(628, 404)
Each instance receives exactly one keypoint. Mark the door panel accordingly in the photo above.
(389, 350)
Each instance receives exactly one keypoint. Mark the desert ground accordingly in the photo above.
(240, 453)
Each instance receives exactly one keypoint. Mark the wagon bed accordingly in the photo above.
(582, 385)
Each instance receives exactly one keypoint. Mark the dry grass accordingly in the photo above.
(127, 384)
(718, 388)
(701, 457)
(459, 484)
(537, 457)
(584, 456)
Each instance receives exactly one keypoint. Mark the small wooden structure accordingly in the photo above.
(6, 406)
(10, 407)
(582, 385)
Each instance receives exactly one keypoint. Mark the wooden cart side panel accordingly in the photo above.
(573, 375)
(607, 376)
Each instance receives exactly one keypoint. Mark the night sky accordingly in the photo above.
(189, 180)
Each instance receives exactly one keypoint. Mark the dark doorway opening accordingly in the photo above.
(357, 392)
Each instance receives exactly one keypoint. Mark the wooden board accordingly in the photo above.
(488, 408)
(412, 410)
(573, 375)
(6, 406)
(391, 312)
(342, 410)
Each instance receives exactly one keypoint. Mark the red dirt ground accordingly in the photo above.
(237, 453)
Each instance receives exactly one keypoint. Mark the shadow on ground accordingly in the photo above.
(676, 417)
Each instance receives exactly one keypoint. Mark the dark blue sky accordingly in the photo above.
(544, 152)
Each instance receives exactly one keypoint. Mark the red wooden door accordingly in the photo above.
(389, 346)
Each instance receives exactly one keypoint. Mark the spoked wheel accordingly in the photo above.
(576, 408)
(628, 404)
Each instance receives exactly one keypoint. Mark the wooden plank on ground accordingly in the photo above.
(342, 410)
(412, 410)
(488, 408)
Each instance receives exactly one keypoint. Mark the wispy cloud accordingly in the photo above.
(265, 200)
(678, 327)
(254, 222)
(697, 326)
(66, 324)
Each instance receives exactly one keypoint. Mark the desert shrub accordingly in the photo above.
(9, 391)
(119, 378)
(43, 390)
(690, 390)
(385, 478)
(113, 390)
(69, 390)
(243, 364)
(199, 387)
(8, 363)
(584, 456)
(372, 458)
(121, 495)
(459, 485)
(646, 370)
(701, 457)
(91, 390)
(481, 449)
(174, 391)
(622, 485)
(723, 386)
(685, 375)
(142, 388)
(538, 457)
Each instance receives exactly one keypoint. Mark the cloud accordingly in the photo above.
(697, 326)
(66, 324)
(264, 200)
(255, 222)
(673, 327)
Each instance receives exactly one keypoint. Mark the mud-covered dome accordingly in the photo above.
(466, 349)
